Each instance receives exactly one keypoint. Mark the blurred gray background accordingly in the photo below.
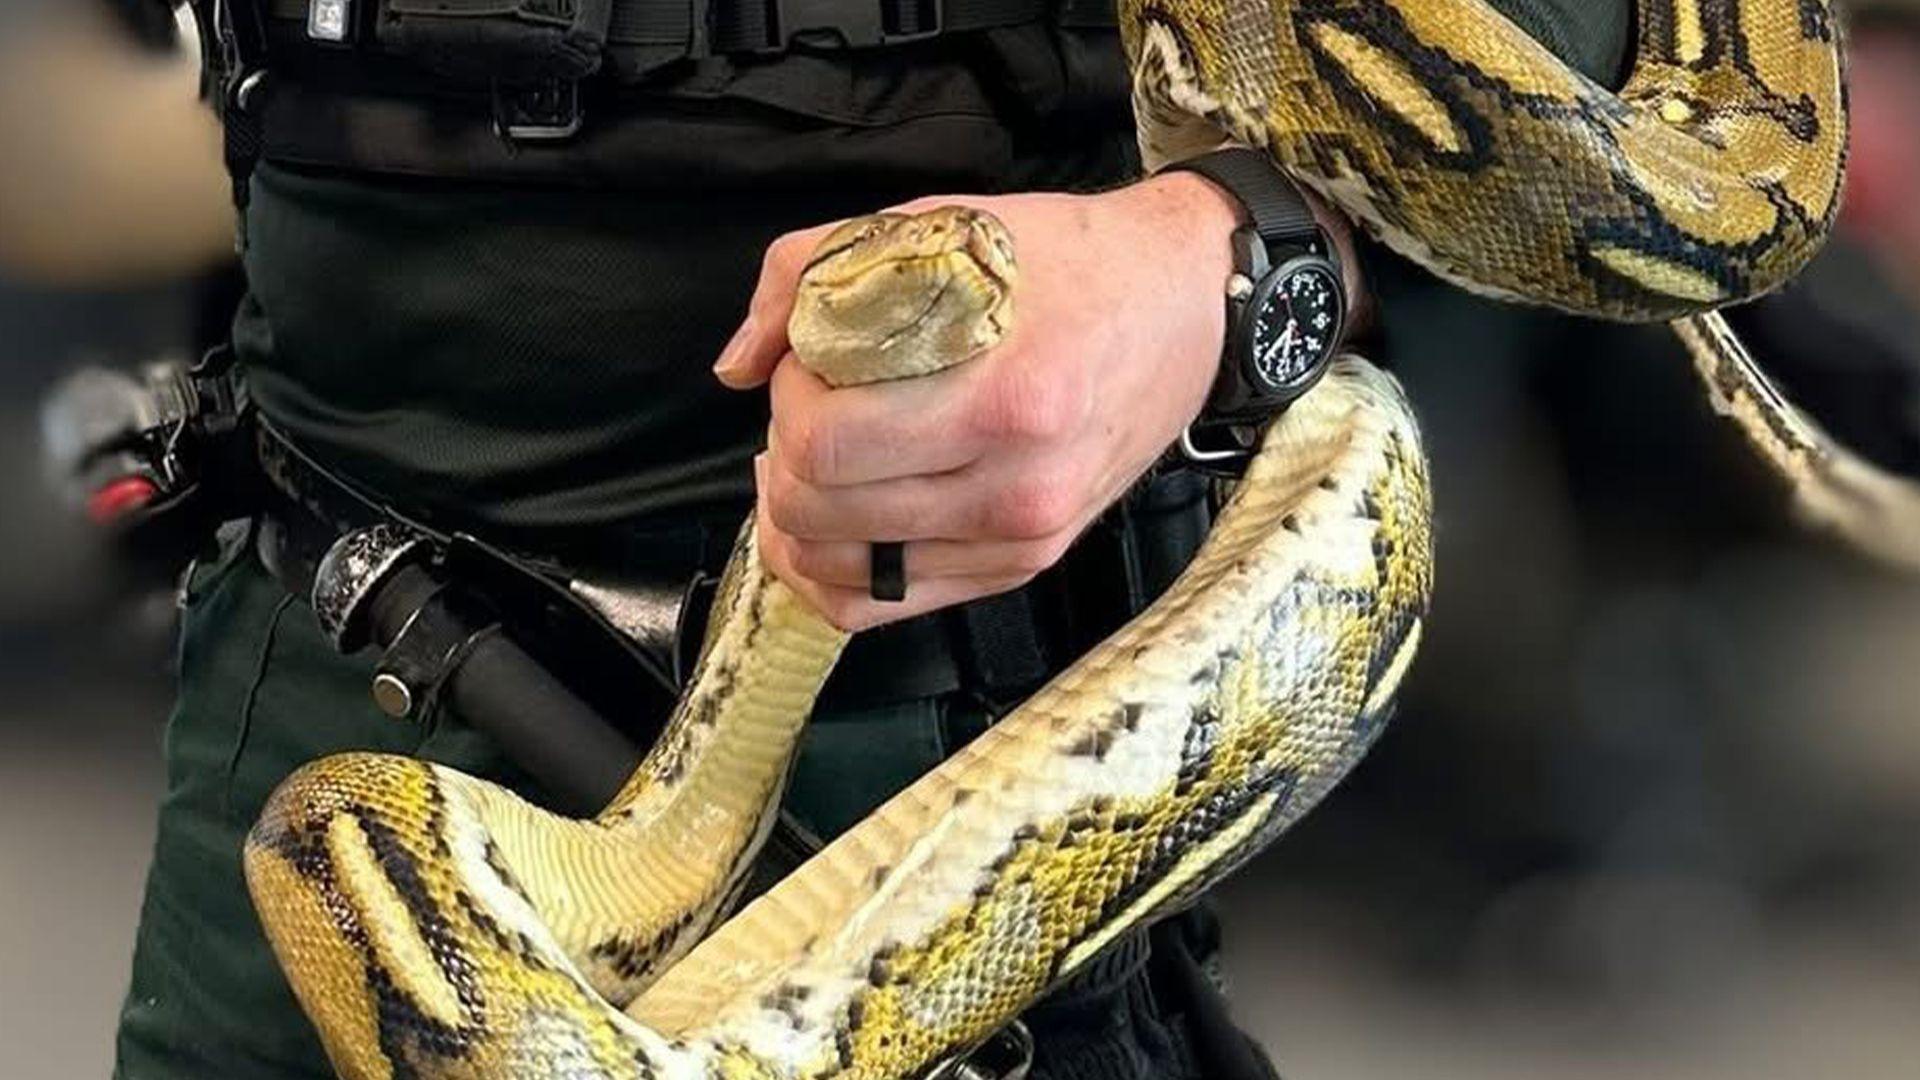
(1649, 809)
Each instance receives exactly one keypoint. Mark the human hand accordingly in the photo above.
(989, 471)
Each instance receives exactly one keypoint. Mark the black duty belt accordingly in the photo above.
(999, 650)
(906, 661)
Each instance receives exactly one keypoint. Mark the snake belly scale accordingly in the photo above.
(433, 925)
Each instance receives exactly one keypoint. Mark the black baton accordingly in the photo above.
(444, 645)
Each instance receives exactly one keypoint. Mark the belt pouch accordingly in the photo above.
(512, 42)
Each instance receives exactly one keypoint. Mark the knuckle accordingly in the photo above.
(811, 451)
(1035, 557)
(789, 518)
(843, 611)
(785, 255)
(1034, 508)
(788, 512)
(1027, 404)
(811, 561)
(775, 552)
(780, 268)
(1008, 584)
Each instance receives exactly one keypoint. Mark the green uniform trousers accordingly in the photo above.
(261, 693)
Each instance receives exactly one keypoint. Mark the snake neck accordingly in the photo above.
(1157, 762)
(629, 892)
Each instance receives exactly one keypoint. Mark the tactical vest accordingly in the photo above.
(678, 94)
(873, 99)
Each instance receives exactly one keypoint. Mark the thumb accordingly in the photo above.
(757, 346)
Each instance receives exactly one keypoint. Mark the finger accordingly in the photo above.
(1011, 498)
(761, 340)
(853, 610)
(910, 508)
(861, 434)
(849, 564)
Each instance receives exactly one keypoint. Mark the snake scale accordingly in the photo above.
(433, 925)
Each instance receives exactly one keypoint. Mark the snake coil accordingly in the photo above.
(434, 925)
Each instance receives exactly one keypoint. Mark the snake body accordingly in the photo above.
(434, 925)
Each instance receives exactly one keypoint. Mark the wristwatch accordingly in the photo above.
(1286, 306)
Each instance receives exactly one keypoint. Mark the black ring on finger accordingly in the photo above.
(889, 565)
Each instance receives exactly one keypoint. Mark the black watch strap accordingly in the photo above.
(1276, 207)
(1282, 229)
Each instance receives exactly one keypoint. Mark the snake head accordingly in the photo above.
(892, 296)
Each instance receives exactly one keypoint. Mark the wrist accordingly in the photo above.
(1200, 216)
(1219, 213)
(1346, 252)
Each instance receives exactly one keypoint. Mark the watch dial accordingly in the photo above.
(1296, 325)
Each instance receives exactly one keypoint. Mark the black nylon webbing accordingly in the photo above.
(650, 23)
(1002, 643)
(1276, 206)
(750, 25)
(738, 26)
(240, 46)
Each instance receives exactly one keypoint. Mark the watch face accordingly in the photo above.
(1294, 318)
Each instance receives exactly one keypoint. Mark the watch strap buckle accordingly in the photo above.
(1226, 454)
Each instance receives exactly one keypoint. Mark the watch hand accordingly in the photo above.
(1279, 346)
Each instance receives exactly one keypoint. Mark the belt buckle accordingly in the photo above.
(546, 111)
(1007, 1054)
(857, 25)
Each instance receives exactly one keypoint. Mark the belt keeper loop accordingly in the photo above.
(700, 29)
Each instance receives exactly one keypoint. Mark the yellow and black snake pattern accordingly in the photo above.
(1459, 140)
(434, 925)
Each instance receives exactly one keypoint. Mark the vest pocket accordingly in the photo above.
(512, 41)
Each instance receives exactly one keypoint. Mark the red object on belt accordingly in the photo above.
(120, 498)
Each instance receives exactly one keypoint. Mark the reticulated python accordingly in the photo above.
(434, 925)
